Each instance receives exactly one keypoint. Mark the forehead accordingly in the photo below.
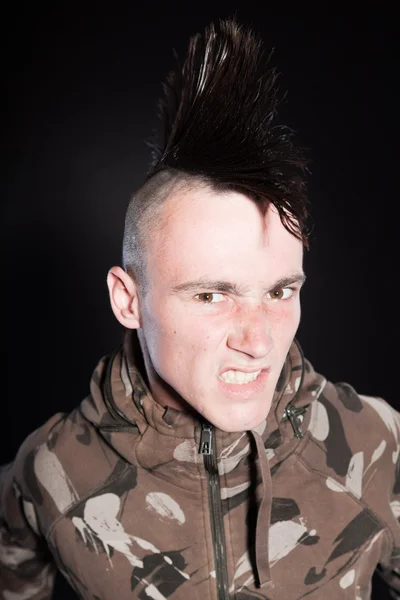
(207, 233)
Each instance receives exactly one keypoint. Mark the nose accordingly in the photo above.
(250, 334)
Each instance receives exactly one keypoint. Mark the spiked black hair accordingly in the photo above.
(218, 113)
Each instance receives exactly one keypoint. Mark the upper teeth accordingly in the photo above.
(239, 376)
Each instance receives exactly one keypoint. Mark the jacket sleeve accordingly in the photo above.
(390, 573)
(27, 571)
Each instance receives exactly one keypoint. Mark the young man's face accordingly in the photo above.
(222, 306)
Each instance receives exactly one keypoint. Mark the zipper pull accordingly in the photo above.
(291, 413)
(206, 439)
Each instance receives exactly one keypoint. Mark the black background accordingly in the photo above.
(82, 85)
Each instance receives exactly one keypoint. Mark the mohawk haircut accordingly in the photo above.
(218, 113)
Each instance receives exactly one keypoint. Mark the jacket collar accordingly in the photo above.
(120, 402)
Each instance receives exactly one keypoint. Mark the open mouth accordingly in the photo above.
(238, 377)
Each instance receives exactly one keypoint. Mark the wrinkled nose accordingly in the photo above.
(251, 334)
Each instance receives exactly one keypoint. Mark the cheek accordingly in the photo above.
(174, 338)
(284, 321)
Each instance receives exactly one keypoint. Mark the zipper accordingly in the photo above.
(207, 449)
(292, 413)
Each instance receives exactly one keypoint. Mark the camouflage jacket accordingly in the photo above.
(130, 500)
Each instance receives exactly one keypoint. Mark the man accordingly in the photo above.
(210, 461)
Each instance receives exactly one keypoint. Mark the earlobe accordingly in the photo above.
(124, 297)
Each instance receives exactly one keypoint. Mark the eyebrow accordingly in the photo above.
(232, 288)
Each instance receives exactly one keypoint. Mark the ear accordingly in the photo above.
(124, 297)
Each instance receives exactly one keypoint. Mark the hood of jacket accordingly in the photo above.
(121, 402)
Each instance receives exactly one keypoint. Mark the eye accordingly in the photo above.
(281, 293)
(209, 298)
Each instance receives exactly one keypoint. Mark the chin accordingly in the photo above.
(236, 429)
(238, 424)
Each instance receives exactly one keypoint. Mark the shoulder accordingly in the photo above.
(74, 460)
(21, 469)
(19, 487)
(62, 463)
(340, 411)
(353, 447)
(355, 438)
